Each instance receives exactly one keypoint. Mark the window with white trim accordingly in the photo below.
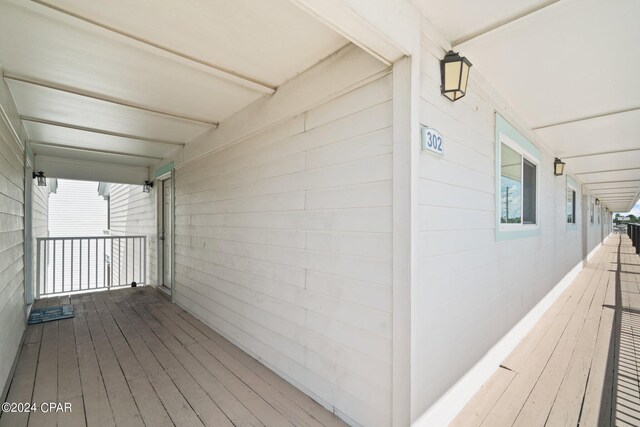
(518, 186)
(571, 205)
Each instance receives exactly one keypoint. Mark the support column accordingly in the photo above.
(406, 149)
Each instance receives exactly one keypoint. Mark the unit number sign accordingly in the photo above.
(432, 140)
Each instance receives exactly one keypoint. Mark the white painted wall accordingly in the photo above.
(471, 289)
(12, 308)
(76, 209)
(133, 212)
(283, 244)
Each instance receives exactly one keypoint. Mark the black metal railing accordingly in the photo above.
(633, 231)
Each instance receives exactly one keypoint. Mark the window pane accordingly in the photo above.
(571, 206)
(510, 185)
(529, 192)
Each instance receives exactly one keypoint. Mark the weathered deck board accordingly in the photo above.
(171, 396)
(302, 400)
(147, 401)
(296, 415)
(24, 377)
(130, 357)
(580, 365)
(255, 403)
(69, 385)
(46, 385)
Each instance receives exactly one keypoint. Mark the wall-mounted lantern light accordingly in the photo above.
(454, 75)
(42, 180)
(148, 185)
(558, 167)
(597, 202)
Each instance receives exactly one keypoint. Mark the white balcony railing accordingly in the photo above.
(75, 264)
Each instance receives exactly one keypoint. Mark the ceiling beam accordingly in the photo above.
(56, 167)
(216, 70)
(602, 153)
(617, 194)
(612, 182)
(386, 30)
(608, 170)
(503, 23)
(614, 188)
(91, 150)
(582, 119)
(99, 97)
(100, 131)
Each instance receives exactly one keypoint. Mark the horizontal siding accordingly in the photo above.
(471, 288)
(77, 210)
(283, 244)
(133, 212)
(12, 313)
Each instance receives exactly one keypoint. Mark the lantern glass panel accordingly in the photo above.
(465, 77)
(452, 75)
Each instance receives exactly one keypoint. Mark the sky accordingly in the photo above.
(635, 210)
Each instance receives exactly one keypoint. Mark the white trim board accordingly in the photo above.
(445, 409)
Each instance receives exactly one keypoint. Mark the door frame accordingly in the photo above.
(160, 243)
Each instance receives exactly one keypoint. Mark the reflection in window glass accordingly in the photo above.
(529, 192)
(571, 206)
(510, 185)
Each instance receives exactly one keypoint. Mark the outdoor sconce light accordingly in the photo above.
(42, 180)
(597, 202)
(558, 167)
(454, 75)
(148, 185)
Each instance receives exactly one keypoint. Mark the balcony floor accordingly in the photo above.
(131, 358)
(580, 364)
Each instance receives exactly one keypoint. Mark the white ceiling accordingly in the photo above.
(131, 82)
(460, 19)
(568, 68)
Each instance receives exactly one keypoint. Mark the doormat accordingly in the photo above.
(48, 314)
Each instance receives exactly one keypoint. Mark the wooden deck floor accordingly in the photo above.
(130, 358)
(579, 365)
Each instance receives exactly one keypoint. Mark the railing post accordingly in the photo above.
(144, 260)
(39, 266)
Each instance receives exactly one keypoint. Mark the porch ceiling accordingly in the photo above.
(568, 68)
(131, 82)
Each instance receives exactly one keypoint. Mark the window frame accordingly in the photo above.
(525, 154)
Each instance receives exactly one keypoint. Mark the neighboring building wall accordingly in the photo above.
(471, 289)
(283, 245)
(77, 210)
(133, 212)
(12, 304)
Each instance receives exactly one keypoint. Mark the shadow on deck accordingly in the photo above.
(580, 364)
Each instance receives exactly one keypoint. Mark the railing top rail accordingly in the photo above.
(92, 237)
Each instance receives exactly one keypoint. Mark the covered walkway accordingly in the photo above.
(131, 358)
(579, 365)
